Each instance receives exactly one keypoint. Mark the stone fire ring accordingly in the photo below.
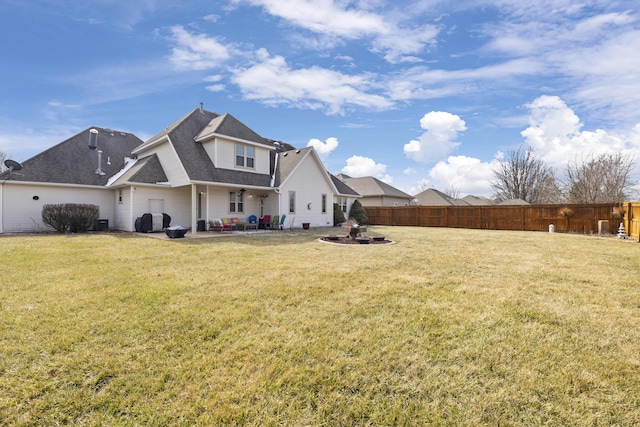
(347, 240)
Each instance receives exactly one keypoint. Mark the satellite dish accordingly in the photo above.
(12, 165)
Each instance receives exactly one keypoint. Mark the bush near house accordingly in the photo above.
(338, 215)
(358, 213)
(74, 217)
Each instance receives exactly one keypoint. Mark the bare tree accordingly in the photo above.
(522, 176)
(423, 185)
(3, 157)
(453, 192)
(606, 178)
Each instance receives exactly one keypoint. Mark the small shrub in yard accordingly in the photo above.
(338, 215)
(358, 213)
(74, 217)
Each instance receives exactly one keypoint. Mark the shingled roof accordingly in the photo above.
(368, 186)
(343, 188)
(72, 162)
(433, 197)
(197, 126)
(228, 125)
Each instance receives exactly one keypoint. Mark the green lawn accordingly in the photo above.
(446, 327)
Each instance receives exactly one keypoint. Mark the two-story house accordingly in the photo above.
(204, 165)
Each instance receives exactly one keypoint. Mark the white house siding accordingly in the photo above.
(171, 164)
(309, 181)
(218, 203)
(22, 213)
(223, 155)
(176, 203)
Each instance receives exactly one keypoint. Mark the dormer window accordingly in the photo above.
(245, 156)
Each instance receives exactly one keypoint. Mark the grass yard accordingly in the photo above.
(447, 327)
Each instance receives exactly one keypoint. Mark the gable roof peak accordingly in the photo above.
(227, 125)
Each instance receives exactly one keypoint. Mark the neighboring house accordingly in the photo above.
(374, 192)
(433, 197)
(203, 166)
(478, 200)
(513, 202)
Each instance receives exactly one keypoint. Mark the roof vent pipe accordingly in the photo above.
(99, 170)
(93, 139)
(202, 108)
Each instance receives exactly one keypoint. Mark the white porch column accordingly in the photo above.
(194, 209)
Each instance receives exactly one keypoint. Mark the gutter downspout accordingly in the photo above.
(275, 168)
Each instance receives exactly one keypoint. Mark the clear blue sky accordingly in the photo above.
(417, 93)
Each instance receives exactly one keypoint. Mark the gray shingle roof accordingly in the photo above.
(513, 202)
(230, 126)
(433, 197)
(148, 170)
(194, 158)
(72, 162)
(342, 187)
(478, 201)
(368, 186)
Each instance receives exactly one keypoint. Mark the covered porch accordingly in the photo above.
(244, 208)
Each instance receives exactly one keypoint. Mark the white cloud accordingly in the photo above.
(401, 45)
(596, 53)
(439, 139)
(410, 171)
(22, 144)
(555, 133)
(216, 88)
(467, 174)
(422, 82)
(314, 87)
(325, 16)
(336, 20)
(196, 51)
(359, 166)
(323, 148)
(212, 18)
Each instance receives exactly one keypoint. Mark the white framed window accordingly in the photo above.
(236, 202)
(245, 156)
(323, 203)
(292, 202)
(342, 201)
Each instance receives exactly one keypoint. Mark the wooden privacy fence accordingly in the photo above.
(584, 218)
(632, 219)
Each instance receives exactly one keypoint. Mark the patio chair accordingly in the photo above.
(216, 224)
(236, 224)
(281, 224)
(274, 222)
(228, 224)
(252, 222)
(265, 221)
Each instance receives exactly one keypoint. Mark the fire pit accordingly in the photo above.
(354, 230)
